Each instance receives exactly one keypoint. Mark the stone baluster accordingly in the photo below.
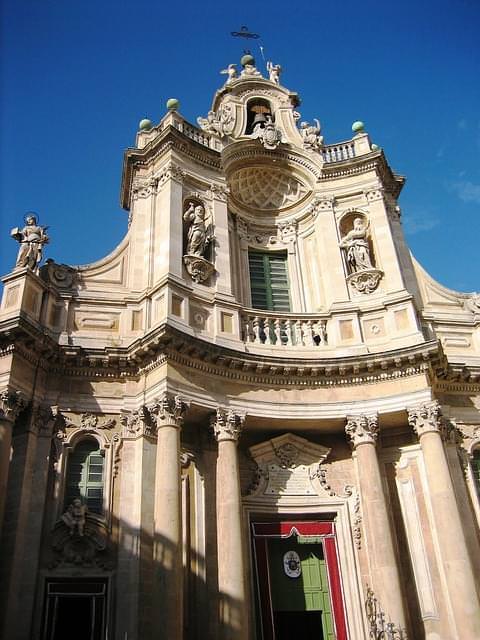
(227, 426)
(256, 330)
(278, 332)
(288, 332)
(363, 431)
(298, 333)
(267, 330)
(10, 406)
(168, 412)
(426, 420)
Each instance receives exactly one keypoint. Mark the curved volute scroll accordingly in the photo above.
(362, 273)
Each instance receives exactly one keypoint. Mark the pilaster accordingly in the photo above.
(135, 523)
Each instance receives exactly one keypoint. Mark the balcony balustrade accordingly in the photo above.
(284, 330)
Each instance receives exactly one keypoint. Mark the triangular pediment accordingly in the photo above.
(288, 450)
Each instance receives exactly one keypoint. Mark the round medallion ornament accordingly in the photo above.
(292, 565)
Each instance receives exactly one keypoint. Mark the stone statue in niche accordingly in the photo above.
(312, 139)
(199, 241)
(362, 276)
(274, 71)
(31, 238)
(231, 72)
(356, 246)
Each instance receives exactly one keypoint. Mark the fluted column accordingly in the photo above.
(363, 432)
(10, 406)
(427, 423)
(169, 412)
(227, 426)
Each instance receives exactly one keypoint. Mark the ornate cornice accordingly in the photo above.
(362, 429)
(170, 139)
(227, 424)
(168, 344)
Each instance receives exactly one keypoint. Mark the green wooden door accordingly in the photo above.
(308, 592)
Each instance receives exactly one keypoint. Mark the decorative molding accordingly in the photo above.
(91, 421)
(137, 423)
(79, 539)
(426, 418)
(362, 429)
(365, 281)
(168, 410)
(144, 188)
(11, 404)
(198, 268)
(378, 627)
(227, 424)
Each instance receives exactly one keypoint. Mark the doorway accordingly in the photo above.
(298, 582)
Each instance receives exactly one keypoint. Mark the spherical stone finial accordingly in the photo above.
(145, 124)
(358, 126)
(247, 59)
(375, 147)
(173, 104)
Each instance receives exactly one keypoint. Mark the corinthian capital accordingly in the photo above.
(425, 418)
(11, 403)
(362, 429)
(168, 410)
(227, 425)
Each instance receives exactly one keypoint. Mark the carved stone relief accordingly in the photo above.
(80, 539)
(286, 466)
(266, 189)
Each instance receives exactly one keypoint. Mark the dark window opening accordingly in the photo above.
(75, 608)
(258, 112)
(85, 475)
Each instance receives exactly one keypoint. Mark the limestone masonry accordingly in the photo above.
(258, 418)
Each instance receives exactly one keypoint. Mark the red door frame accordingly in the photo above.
(261, 531)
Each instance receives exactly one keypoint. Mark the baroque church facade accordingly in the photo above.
(257, 418)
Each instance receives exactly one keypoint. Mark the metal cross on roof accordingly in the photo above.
(245, 33)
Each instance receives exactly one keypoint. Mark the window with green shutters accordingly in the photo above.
(269, 281)
(85, 475)
(476, 469)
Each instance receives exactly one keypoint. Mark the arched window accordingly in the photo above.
(85, 473)
(258, 111)
(475, 462)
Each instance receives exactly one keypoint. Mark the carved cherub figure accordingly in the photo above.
(274, 71)
(311, 135)
(31, 238)
(75, 517)
(231, 72)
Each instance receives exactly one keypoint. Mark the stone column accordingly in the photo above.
(363, 432)
(10, 406)
(427, 423)
(168, 411)
(135, 523)
(231, 571)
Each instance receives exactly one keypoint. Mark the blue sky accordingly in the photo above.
(78, 76)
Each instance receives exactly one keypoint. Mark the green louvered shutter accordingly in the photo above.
(85, 476)
(476, 469)
(269, 281)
